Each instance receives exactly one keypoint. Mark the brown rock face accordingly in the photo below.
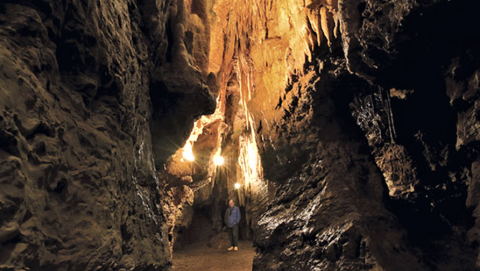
(388, 75)
(78, 79)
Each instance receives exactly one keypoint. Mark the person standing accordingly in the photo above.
(232, 218)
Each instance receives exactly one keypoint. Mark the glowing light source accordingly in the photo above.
(218, 160)
(188, 153)
(237, 185)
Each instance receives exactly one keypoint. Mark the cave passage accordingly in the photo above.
(346, 133)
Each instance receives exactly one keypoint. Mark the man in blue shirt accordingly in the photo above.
(232, 218)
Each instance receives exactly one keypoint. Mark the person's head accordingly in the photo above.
(231, 203)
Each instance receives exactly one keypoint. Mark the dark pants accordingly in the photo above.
(233, 235)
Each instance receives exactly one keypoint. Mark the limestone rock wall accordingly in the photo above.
(80, 83)
(372, 120)
(330, 213)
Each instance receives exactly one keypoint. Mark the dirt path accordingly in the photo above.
(200, 257)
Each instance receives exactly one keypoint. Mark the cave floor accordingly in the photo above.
(199, 256)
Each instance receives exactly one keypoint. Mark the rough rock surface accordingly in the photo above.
(396, 194)
(79, 189)
(333, 212)
(354, 107)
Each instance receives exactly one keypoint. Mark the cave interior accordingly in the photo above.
(347, 132)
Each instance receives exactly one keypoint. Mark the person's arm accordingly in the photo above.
(238, 215)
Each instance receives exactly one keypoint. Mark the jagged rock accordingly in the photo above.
(330, 214)
(410, 140)
(79, 189)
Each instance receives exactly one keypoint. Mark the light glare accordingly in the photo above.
(218, 160)
(188, 153)
(237, 185)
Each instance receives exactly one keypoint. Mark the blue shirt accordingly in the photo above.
(232, 216)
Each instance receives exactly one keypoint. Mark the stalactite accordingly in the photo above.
(391, 124)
